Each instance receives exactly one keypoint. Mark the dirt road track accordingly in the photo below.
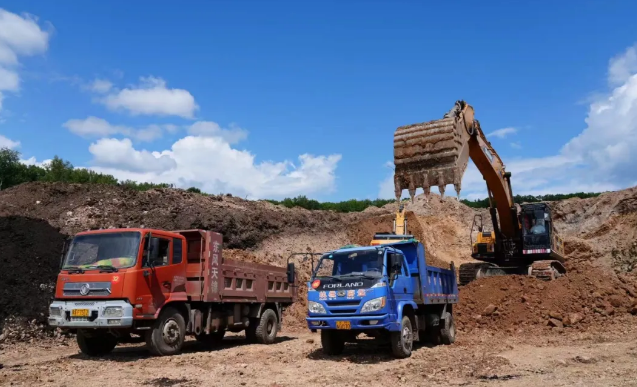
(296, 360)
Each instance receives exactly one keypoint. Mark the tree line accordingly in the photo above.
(14, 172)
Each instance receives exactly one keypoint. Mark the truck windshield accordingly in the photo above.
(118, 249)
(368, 263)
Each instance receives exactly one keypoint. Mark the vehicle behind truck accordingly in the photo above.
(385, 291)
(164, 285)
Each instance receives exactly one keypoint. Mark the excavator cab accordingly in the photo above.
(538, 236)
(399, 230)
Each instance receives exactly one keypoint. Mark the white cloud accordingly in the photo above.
(152, 97)
(33, 161)
(601, 158)
(99, 127)
(114, 153)
(232, 135)
(516, 145)
(622, 66)
(8, 143)
(213, 165)
(101, 86)
(502, 133)
(19, 36)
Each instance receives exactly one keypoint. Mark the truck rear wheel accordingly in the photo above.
(167, 334)
(448, 329)
(267, 328)
(212, 340)
(96, 344)
(332, 342)
(403, 340)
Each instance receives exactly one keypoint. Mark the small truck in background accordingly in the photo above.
(386, 291)
(164, 285)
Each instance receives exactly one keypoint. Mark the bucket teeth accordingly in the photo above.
(458, 187)
(441, 188)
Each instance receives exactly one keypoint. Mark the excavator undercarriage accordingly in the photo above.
(436, 153)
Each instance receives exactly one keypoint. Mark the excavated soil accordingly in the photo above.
(600, 239)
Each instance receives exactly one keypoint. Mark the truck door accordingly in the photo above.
(400, 284)
(155, 281)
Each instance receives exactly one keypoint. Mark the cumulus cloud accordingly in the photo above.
(99, 127)
(211, 164)
(8, 143)
(600, 158)
(20, 35)
(502, 133)
(152, 97)
(232, 135)
(100, 86)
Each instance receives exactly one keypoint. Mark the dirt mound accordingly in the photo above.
(244, 224)
(585, 298)
(30, 261)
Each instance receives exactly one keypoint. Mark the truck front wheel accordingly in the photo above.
(167, 334)
(96, 344)
(403, 341)
(332, 342)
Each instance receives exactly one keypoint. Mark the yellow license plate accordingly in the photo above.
(343, 325)
(79, 313)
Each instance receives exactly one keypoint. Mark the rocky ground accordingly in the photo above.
(579, 329)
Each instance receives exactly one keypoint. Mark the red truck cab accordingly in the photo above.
(163, 285)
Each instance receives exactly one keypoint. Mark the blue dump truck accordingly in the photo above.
(387, 292)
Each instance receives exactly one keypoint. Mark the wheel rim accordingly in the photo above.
(171, 334)
(406, 336)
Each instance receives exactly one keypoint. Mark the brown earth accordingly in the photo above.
(600, 234)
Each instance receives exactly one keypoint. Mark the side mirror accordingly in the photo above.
(291, 273)
(395, 261)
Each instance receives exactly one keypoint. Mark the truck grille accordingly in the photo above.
(343, 311)
(85, 289)
(343, 303)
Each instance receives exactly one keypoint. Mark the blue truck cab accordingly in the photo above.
(387, 292)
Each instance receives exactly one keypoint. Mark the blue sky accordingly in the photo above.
(228, 95)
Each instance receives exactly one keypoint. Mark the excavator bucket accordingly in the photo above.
(433, 153)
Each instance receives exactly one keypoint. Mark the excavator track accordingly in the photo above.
(547, 270)
(471, 271)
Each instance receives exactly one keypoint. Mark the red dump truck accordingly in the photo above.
(164, 285)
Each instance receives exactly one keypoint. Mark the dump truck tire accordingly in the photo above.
(96, 345)
(167, 334)
(332, 342)
(212, 340)
(268, 327)
(402, 341)
(448, 329)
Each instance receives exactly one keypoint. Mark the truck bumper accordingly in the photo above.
(383, 321)
(60, 314)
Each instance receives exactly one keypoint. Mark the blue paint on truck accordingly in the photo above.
(385, 291)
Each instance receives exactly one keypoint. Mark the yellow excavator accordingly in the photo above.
(399, 230)
(436, 153)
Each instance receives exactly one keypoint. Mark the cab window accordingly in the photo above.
(159, 251)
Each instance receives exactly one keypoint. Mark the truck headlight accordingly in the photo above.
(374, 305)
(315, 307)
(113, 311)
(55, 311)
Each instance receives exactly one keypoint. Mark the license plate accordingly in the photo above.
(343, 325)
(79, 313)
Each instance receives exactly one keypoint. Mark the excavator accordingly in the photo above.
(399, 230)
(523, 239)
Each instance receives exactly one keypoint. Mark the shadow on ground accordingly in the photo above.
(137, 352)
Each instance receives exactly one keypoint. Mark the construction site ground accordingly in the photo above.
(578, 330)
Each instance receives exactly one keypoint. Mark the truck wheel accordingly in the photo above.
(98, 344)
(402, 341)
(332, 342)
(167, 334)
(448, 329)
(212, 340)
(265, 332)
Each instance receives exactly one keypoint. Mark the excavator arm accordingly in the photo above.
(436, 153)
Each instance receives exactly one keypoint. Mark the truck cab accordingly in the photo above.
(380, 290)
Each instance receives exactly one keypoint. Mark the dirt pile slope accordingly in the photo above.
(244, 224)
(29, 262)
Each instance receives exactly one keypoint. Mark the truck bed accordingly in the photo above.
(212, 278)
